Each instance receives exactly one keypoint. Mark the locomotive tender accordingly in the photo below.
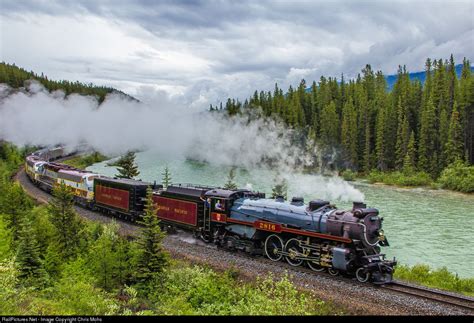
(316, 234)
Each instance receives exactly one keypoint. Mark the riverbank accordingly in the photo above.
(457, 177)
(83, 161)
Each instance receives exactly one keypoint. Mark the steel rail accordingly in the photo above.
(432, 294)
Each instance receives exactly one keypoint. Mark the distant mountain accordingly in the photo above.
(392, 79)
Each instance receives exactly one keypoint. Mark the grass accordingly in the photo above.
(198, 290)
(400, 178)
(436, 278)
(83, 162)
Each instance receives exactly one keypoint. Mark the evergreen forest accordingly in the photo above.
(15, 77)
(413, 129)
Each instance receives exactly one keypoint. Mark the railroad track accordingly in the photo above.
(457, 300)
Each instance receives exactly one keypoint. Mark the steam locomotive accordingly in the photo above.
(316, 234)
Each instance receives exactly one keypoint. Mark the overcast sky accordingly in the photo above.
(201, 52)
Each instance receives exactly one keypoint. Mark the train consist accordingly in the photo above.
(316, 234)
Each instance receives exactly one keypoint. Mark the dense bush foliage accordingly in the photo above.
(400, 178)
(459, 177)
(439, 278)
(348, 175)
(202, 291)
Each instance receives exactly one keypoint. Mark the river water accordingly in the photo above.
(433, 227)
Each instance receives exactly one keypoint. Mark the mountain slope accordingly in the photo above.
(15, 77)
(421, 76)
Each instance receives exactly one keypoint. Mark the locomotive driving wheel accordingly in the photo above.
(315, 266)
(274, 247)
(294, 249)
(205, 236)
(333, 272)
(362, 275)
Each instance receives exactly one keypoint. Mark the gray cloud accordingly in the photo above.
(204, 51)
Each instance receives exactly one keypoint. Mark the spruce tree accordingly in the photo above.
(166, 181)
(230, 184)
(14, 204)
(443, 137)
(368, 148)
(151, 258)
(380, 143)
(466, 108)
(280, 189)
(67, 223)
(454, 145)
(346, 130)
(104, 256)
(329, 131)
(427, 138)
(126, 166)
(30, 267)
(409, 160)
(403, 136)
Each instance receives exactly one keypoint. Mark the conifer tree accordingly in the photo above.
(348, 135)
(104, 256)
(466, 108)
(230, 184)
(454, 144)
(151, 260)
(403, 136)
(443, 137)
(329, 131)
(452, 90)
(166, 181)
(409, 160)
(14, 203)
(126, 166)
(280, 189)
(427, 138)
(67, 223)
(30, 266)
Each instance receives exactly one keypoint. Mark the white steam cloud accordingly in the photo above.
(37, 117)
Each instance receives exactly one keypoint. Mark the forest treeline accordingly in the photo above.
(15, 77)
(414, 127)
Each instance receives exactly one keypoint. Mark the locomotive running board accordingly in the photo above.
(279, 228)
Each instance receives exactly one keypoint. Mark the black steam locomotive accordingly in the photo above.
(316, 234)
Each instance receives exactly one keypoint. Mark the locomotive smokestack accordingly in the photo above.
(358, 205)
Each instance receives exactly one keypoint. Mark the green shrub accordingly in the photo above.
(348, 175)
(400, 178)
(200, 291)
(439, 278)
(458, 177)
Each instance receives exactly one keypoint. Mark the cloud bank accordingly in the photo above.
(201, 52)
